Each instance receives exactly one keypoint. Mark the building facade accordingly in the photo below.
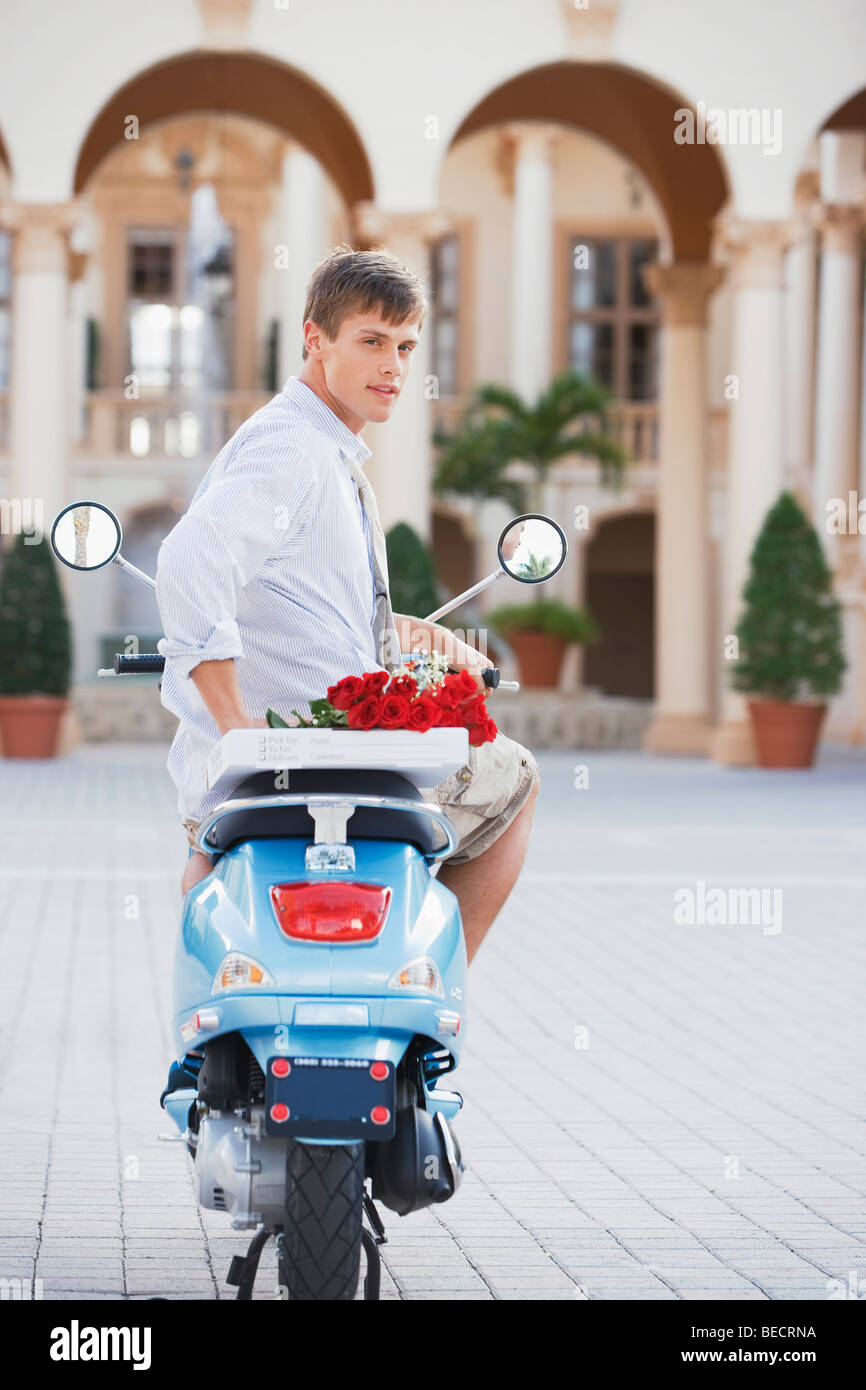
(669, 197)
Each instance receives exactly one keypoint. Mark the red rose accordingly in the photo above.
(448, 719)
(375, 681)
(423, 714)
(447, 697)
(473, 710)
(365, 714)
(468, 683)
(393, 711)
(404, 685)
(345, 692)
(485, 732)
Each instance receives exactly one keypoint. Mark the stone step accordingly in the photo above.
(129, 710)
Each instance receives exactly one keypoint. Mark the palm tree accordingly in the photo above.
(81, 526)
(498, 428)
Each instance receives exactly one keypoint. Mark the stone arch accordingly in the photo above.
(635, 115)
(246, 84)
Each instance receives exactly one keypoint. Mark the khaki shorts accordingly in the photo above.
(481, 798)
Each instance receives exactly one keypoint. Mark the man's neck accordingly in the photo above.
(312, 375)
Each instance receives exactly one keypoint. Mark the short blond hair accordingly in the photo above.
(348, 282)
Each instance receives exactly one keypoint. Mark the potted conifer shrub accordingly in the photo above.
(35, 652)
(539, 633)
(411, 572)
(789, 638)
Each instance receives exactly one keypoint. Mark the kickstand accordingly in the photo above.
(372, 1241)
(243, 1268)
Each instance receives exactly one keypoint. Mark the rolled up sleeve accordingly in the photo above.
(250, 514)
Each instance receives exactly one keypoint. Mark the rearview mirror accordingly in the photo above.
(532, 548)
(86, 535)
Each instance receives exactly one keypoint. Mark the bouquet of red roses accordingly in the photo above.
(426, 700)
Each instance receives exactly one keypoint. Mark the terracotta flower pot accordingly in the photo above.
(539, 656)
(786, 732)
(30, 725)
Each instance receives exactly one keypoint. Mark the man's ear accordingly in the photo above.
(312, 338)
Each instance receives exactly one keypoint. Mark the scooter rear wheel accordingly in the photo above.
(321, 1246)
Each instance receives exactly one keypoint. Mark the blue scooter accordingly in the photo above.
(319, 985)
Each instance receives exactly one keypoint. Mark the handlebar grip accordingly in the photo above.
(491, 676)
(146, 663)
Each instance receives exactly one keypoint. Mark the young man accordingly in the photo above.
(267, 587)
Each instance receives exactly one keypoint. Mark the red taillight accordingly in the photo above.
(279, 1112)
(280, 1067)
(378, 1070)
(331, 912)
(380, 1114)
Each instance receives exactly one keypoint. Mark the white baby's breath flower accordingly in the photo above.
(428, 669)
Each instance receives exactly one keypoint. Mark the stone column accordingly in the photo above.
(302, 231)
(532, 257)
(838, 372)
(755, 464)
(682, 715)
(801, 283)
(39, 380)
(862, 475)
(401, 465)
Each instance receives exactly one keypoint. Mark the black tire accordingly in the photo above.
(324, 1209)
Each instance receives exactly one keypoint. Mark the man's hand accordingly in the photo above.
(416, 634)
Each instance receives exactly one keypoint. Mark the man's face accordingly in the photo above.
(365, 367)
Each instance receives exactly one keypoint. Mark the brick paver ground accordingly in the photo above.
(653, 1109)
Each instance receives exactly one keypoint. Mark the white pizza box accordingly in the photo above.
(426, 759)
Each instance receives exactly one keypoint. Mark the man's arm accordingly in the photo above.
(217, 684)
(248, 516)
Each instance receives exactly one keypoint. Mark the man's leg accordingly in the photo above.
(197, 867)
(483, 884)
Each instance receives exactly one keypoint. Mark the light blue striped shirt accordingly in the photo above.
(272, 565)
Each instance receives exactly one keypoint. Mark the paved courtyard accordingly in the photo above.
(660, 1102)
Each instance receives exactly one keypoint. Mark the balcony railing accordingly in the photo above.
(171, 426)
(176, 427)
(634, 424)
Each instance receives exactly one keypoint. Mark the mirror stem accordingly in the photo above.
(467, 594)
(131, 569)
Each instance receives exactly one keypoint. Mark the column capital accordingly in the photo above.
(685, 287)
(374, 223)
(755, 249)
(533, 139)
(841, 226)
(807, 190)
(41, 231)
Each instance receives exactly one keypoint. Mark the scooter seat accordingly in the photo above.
(365, 823)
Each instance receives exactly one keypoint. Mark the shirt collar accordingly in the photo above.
(325, 419)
